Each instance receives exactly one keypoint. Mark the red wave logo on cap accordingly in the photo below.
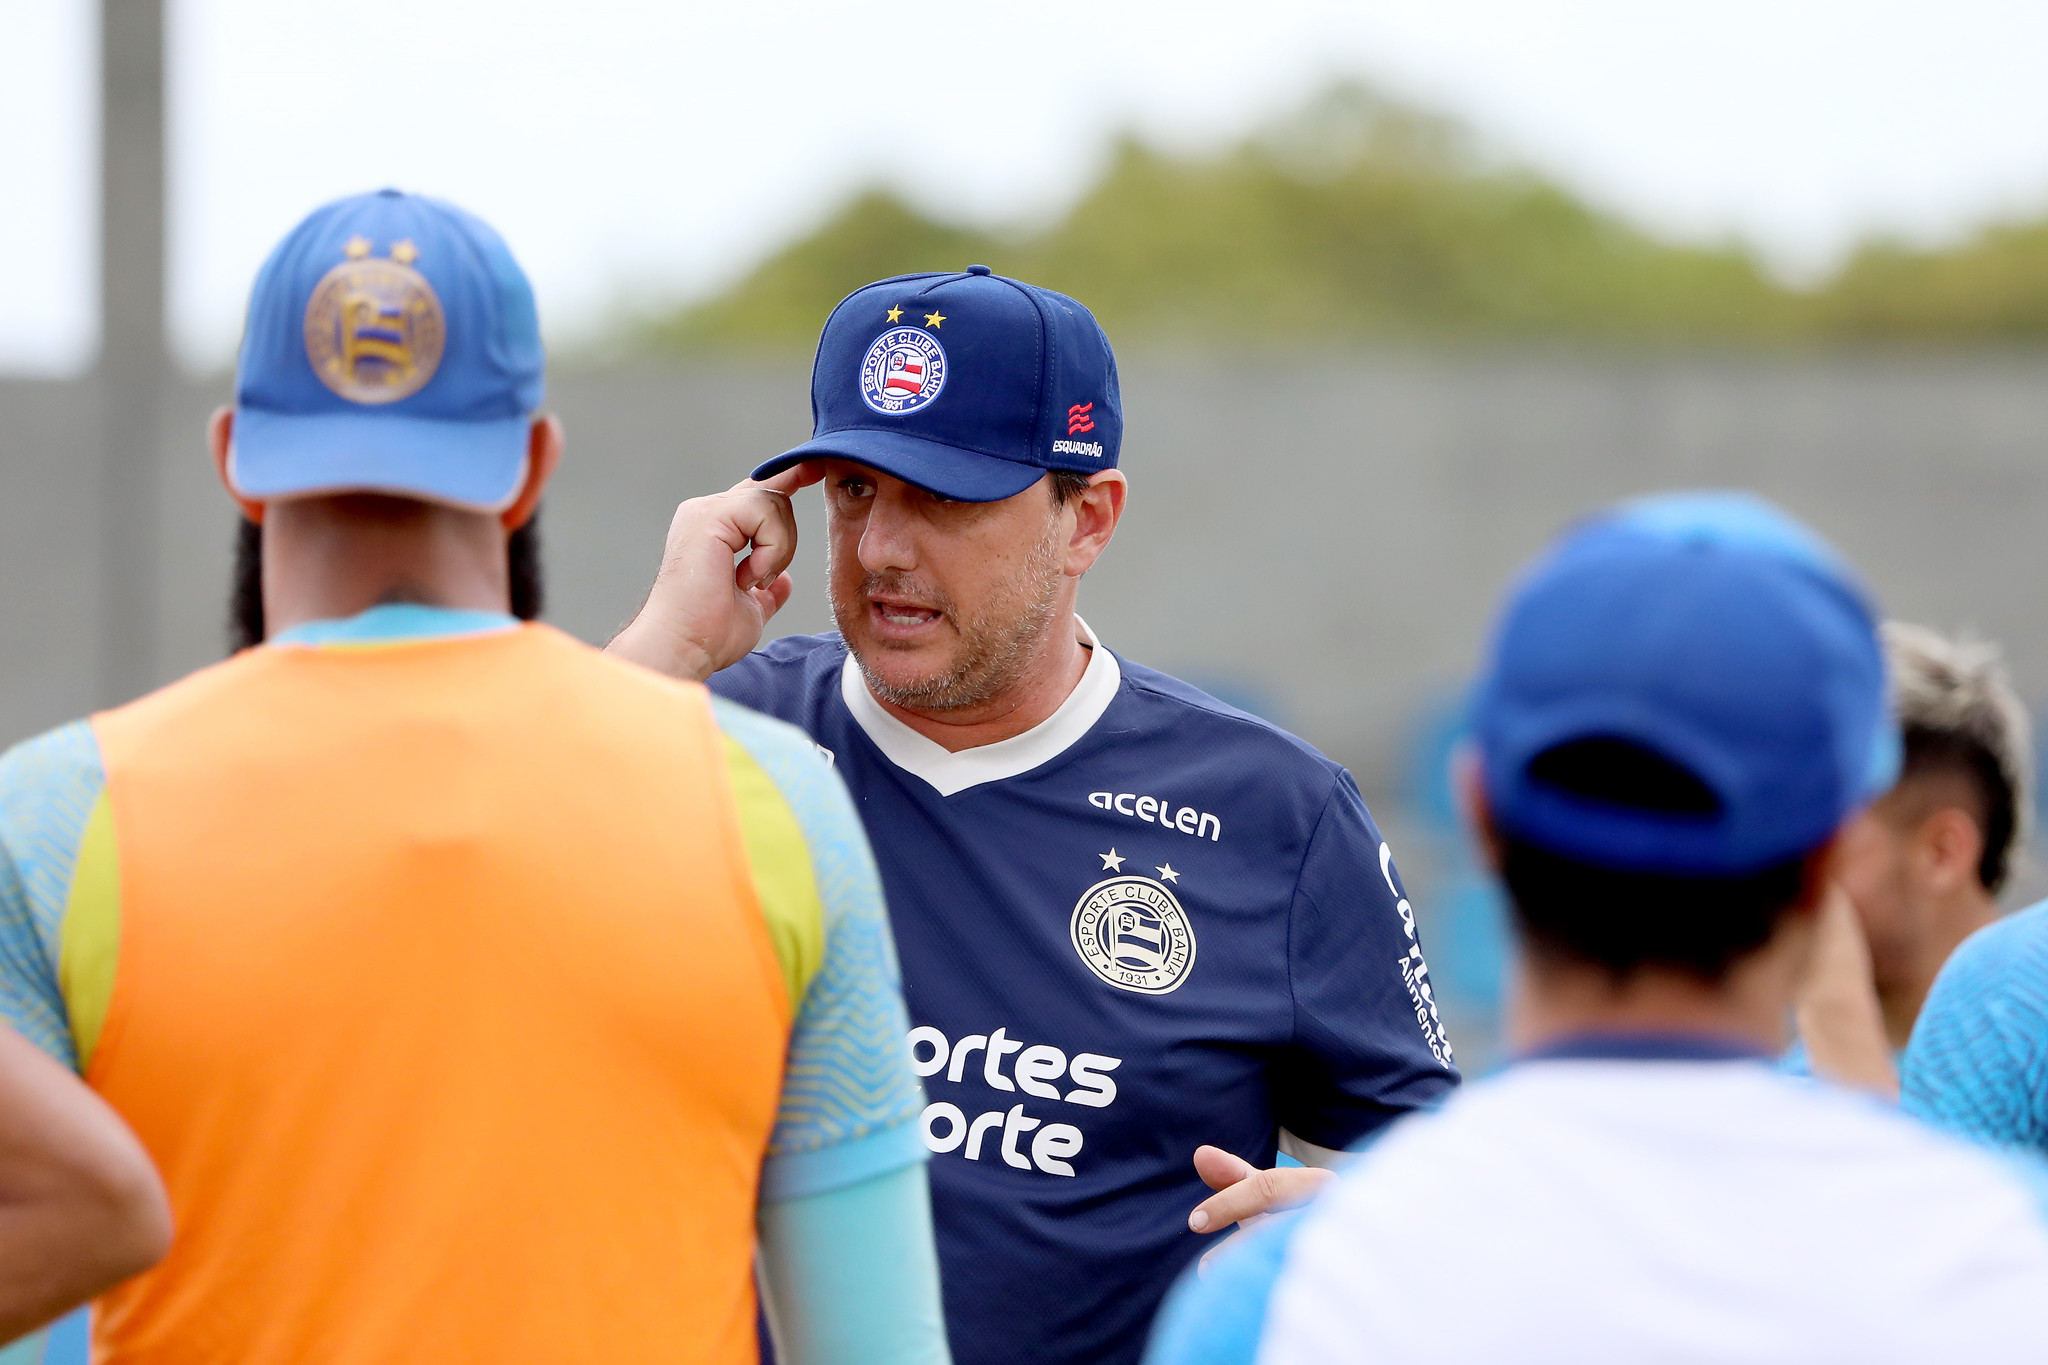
(1078, 419)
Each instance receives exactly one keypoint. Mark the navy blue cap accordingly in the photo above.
(971, 386)
(391, 346)
(1719, 634)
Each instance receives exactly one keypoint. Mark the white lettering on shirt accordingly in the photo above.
(1038, 1068)
(1155, 811)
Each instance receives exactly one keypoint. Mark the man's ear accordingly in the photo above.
(543, 454)
(220, 439)
(1096, 513)
(1948, 846)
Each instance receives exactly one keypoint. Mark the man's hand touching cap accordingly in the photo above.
(704, 611)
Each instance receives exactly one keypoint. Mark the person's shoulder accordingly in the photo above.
(50, 756)
(1186, 712)
(1973, 1062)
(824, 653)
(1948, 1171)
(787, 754)
(1997, 978)
(38, 774)
(1942, 1167)
(2014, 946)
(784, 675)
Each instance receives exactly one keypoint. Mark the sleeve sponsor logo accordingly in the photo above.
(1186, 819)
(1041, 1071)
(1415, 976)
(1415, 972)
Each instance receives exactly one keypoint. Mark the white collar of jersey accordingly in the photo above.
(950, 772)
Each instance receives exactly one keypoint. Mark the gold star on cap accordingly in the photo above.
(895, 313)
(356, 248)
(932, 320)
(404, 252)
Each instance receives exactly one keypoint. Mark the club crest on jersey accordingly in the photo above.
(374, 326)
(903, 371)
(1132, 933)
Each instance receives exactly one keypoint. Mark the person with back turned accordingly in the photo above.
(479, 997)
(1683, 703)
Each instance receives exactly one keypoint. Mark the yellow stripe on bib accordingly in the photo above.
(784, 880)
(89, 944)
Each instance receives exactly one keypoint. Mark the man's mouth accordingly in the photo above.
(902, 615)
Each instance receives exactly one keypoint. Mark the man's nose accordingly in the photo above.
(886, 541)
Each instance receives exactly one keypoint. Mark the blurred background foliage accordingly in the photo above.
(1358, 219)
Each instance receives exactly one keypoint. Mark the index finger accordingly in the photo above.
(789, 480)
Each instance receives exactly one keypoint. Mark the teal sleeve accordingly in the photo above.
(850, 1276)
(1218, 1316)
(1977, 1063)
(48, 786)
(850, 1102)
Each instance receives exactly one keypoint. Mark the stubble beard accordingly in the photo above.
(997, 646)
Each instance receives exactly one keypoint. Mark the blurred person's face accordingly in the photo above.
(1905, 861)
(947, 605)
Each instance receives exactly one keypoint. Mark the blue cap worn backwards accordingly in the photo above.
(1719, 634)
(391, 346)
(970, 386)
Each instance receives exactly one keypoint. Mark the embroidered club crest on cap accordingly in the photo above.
(903, 371)
(374, 326)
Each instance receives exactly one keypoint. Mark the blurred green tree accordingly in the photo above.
(1992, 288)
(782, 303)
(1356, 219)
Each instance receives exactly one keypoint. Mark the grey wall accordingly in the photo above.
(1324, 536)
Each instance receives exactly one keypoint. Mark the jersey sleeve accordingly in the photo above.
(778, 678)
(1977, 1063)
(1367, 1043)
(49, 787)
(850, 1101)
(748, 681)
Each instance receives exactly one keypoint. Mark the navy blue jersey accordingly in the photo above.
(1151, 922)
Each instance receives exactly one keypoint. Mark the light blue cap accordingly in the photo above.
(392, 346)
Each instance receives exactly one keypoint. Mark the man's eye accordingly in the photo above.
(854, 488)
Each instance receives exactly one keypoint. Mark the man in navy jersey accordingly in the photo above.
(1134, 922)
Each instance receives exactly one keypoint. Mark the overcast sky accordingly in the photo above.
(626, 146)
